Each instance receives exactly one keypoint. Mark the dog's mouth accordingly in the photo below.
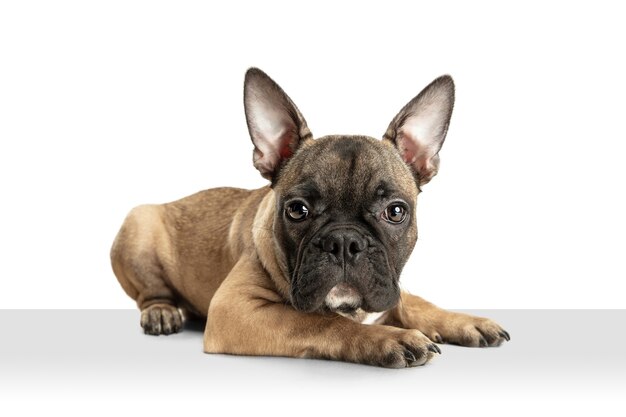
(370, 286)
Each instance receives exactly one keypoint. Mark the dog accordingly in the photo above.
(309, 265)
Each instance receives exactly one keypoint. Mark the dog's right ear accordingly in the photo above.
(275, 124)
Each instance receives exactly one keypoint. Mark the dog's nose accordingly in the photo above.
(345, 245)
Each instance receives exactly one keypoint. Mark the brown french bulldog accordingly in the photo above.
(308, 266)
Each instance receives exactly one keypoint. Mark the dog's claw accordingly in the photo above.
(505, 335)
(434, 349)
(409, 356)
(483, 342)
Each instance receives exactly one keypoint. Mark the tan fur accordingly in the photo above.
(189, 245)
(264, 244)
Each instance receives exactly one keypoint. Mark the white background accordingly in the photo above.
(106, 105)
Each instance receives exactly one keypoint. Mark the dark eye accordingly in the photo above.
(297, 212)
(395, 213)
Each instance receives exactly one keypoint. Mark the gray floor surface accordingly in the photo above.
(75, 360)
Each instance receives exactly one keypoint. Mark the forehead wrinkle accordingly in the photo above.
(349, 160)
(308, 190)
(356, 179)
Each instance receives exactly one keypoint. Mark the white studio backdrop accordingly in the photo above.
(107, 105)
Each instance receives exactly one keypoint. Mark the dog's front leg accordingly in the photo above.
(247, 317)
(444, 326)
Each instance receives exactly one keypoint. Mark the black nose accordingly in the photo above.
(345, 245)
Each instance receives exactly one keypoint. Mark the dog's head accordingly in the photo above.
(344, 222)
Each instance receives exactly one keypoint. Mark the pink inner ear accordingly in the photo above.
(273, 152)
(263, 163)
(407, 148)
(285, 151)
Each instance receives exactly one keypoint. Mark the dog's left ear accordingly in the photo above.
(420, 128)
(275, 124)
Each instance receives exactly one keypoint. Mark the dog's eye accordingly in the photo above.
(395, 213)
(297, 212)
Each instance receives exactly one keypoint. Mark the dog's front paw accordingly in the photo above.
(391, 347)
(160, 319)
(466, 330)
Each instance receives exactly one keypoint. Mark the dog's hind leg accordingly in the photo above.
(137, 257)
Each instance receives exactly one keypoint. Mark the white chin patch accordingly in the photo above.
(343, 295)
(373, 318)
